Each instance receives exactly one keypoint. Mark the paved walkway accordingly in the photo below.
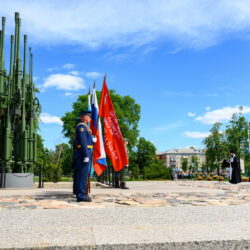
(150, 215)
(141, 194)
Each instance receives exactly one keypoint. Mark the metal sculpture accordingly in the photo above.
(19, 108)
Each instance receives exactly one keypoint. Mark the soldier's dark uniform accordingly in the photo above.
(82, 150)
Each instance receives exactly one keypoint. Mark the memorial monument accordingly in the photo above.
(19, 111)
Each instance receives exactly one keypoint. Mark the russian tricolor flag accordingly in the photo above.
(99, 155)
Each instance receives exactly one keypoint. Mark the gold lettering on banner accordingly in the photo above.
(110, 124)
(111, 149)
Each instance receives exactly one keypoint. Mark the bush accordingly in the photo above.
(53, 172)
(135, 171)
(209, 178)
(221, 178)
(245, 179)
(157, 170)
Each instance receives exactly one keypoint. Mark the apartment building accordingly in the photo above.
(173, 157)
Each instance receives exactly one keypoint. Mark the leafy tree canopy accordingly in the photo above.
(216, 148)
(144, 163)
(127, 112)
(237, 135)
(184, 164)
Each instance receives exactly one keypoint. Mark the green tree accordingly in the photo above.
(145, 155)
(66, 161)
(203, 167)
(42, 156)
(146, 162)
(53, 172)
(195, 163)
(184, 164)
(53, 165)
(237, 138)
(127, 112)
(247, 165)
(157, 170)
(237, 135)
(216, 148)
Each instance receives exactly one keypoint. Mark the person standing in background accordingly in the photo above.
(235, 171)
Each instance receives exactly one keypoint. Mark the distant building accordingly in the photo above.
(173, 157)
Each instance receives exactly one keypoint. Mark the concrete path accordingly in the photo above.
(125, 226)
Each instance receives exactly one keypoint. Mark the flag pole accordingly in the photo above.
(91, 160)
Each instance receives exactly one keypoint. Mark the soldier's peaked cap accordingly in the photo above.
(85, 112)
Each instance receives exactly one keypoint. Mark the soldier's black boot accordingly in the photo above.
(84, 199)
(117, 185)
(123, 185)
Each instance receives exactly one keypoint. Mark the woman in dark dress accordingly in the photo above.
(235, 168)
(234, 165)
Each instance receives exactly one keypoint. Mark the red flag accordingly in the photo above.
(99, 155)
(114, 144)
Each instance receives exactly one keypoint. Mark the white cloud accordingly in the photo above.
(190, 114)
(220, 115)
(93, 75)
(197, 135)
(40, 88)
(75, 73)
(47, 118)
(190, 23)
(68, 66)
(53, 69)
(69, 94)
(62, 81)
(173, 52)
(208, 108)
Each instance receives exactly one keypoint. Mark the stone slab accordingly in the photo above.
(186, 221)
(131, 226)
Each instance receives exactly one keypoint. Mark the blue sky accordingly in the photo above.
(186, 62)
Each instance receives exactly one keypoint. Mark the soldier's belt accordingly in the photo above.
(88, 146)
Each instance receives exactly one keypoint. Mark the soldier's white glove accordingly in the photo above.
(86, 159)
(94, 139)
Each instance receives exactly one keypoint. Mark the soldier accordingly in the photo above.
(82, 155)
(120, 176)
(78, 120)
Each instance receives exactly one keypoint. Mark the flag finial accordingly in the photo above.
(94, 85)
(105, 77)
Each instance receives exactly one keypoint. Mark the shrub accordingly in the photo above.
(220, 178)
(245, 179)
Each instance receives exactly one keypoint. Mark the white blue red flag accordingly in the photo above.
(99, 155)
(89, 101)
(91, 170)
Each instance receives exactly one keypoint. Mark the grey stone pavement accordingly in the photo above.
(150, 215)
